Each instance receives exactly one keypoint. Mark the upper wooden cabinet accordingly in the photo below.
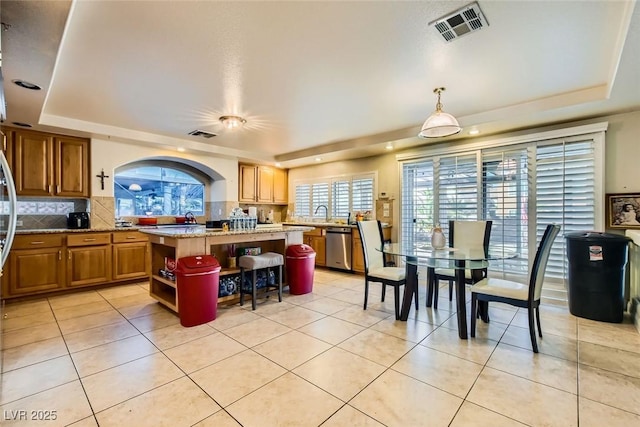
(49, 165)
(262, 184)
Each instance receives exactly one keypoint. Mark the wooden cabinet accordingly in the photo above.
(130, 255)
(35, 265)
(50, 165)
(357, 255)
(318, 241)
(88, 259)
(262, 184)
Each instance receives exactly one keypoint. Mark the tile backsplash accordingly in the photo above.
(36, 213)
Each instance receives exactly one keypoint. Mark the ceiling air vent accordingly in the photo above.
(202, 133)
(460, 22)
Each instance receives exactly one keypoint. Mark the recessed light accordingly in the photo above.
(474, 131)
(181, 149)
(278, 165)
(318, 159)
(22, 124)
(389, 146)
(27, 85)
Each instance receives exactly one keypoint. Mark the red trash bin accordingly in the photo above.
(300, 266)
(197, 279)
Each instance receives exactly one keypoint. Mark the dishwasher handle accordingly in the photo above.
(339, 230)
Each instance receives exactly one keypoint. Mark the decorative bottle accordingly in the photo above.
(437, 238)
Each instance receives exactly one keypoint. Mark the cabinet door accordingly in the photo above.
(319, 245)
(357, 256)
(265, 184)
(35, 270)
(248, 184)
(88, 265)
(33, 163)
(130, 260)
(280, 186)
(71, 167)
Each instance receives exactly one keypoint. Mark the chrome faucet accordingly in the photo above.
(326, 212)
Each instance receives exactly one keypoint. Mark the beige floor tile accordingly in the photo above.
(106, 356)
(203, 352)
(116, 385)
(339, 372)
(291, 349)
(219, 419)
(541, 368)
(349, 416)
(144, 309)
(325, 290)
(594, 414)
(377, 347)
(470, 415)
(236, 376)
(131, 300)
(178, 403)
(431, 315)
(256, 332)
(17, 309)
(331, 330)
(29, 354)
(354, 297)
(289, 400)
(441, 370)
(552, 345)
(266, 306)
(563, 325)
(157, 320)
(230, 316)
(610, 359)
(85, 422)
(296, 317)
(361, 317)
(412, 330)
(23, 382)
(610, 335)
(28, 321)
(89, 321)
(122, 291)
(74, 311)
(326, 305)
(617, 390)
(30, 335)
(69, 300)
(171, 336)
(476, 350)
(523, 400)
(64, 405)
(300, 299)
(398, 400)
(83, 340)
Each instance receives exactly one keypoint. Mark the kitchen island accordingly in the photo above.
(170, 244)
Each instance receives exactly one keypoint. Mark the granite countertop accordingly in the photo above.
(190, 232)
(328, 224)
(79, 230)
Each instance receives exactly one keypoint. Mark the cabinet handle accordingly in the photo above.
(37, 242)
(89, 240)
(58, 188)
(59, 255)
(69, 254)
(50, 188)
(131, 237)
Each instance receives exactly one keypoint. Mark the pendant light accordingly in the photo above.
(439, 123)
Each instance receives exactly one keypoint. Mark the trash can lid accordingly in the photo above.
(198, 263)
(300, 251)
(593, 236)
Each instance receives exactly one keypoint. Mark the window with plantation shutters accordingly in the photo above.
(417, 213)
(362, 194)
(457, 189)
(303, 200)
(340, 197)
(320, 197)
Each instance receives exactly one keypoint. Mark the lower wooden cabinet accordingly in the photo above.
(130, 260)
(318, 241)
(88, 265)
(35, 270)
(357, 255)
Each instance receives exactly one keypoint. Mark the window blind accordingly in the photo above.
(457, 189)
(319, 196)
(340, 199)
(362, 194)
(417, 213)
(303, 200)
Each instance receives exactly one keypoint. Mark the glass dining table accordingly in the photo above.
(455, 259)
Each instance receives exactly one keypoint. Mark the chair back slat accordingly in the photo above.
(540, 262)
(371, 236)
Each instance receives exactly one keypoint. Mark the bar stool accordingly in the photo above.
(254, 263)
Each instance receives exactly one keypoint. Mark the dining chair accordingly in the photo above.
(463, 235)
(374, 264)
(518, 294)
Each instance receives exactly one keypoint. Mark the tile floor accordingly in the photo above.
(114, 357)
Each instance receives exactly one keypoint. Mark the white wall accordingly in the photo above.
(109, 155)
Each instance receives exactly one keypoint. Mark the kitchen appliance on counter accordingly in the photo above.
(339, 248)
(77, 220)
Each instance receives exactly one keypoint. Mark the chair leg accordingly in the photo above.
(436, 295)
(416, 297)
(384, 291)
(396, 295)
(242, 286)
(254, 285)
(450, 290)
(538, 321)
(474, 308)
(366, 292)
(279, 283)
(532, 330)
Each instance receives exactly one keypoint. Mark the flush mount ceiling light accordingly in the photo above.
(27, 85)
(439, 123)
(389, 146)
(232, 122)
(135, 187)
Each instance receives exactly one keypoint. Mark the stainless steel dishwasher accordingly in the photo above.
(339, 248)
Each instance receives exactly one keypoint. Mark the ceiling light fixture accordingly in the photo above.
(318, 159)
(439, 123)
(474, 131)
(135, 187)
(25, 84)
(389, 146)
(232, 122)
(181, 149)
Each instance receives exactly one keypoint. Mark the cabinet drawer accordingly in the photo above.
(128, 237)
(316, 232)
(88, 239)
(35, 241)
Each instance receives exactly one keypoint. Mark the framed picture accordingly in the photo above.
(623, 210)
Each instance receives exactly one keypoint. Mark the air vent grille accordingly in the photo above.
(460, 22)
(202, 133)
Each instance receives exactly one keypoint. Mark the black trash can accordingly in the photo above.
(597, 263)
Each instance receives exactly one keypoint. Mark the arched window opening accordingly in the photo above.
(142, 189)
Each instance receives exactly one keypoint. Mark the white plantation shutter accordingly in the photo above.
(319, 196)
(362, 194)
(457, 189)
(303, 200)
(417, 213)
(340, 199)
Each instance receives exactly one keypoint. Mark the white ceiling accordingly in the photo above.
(331, 79)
